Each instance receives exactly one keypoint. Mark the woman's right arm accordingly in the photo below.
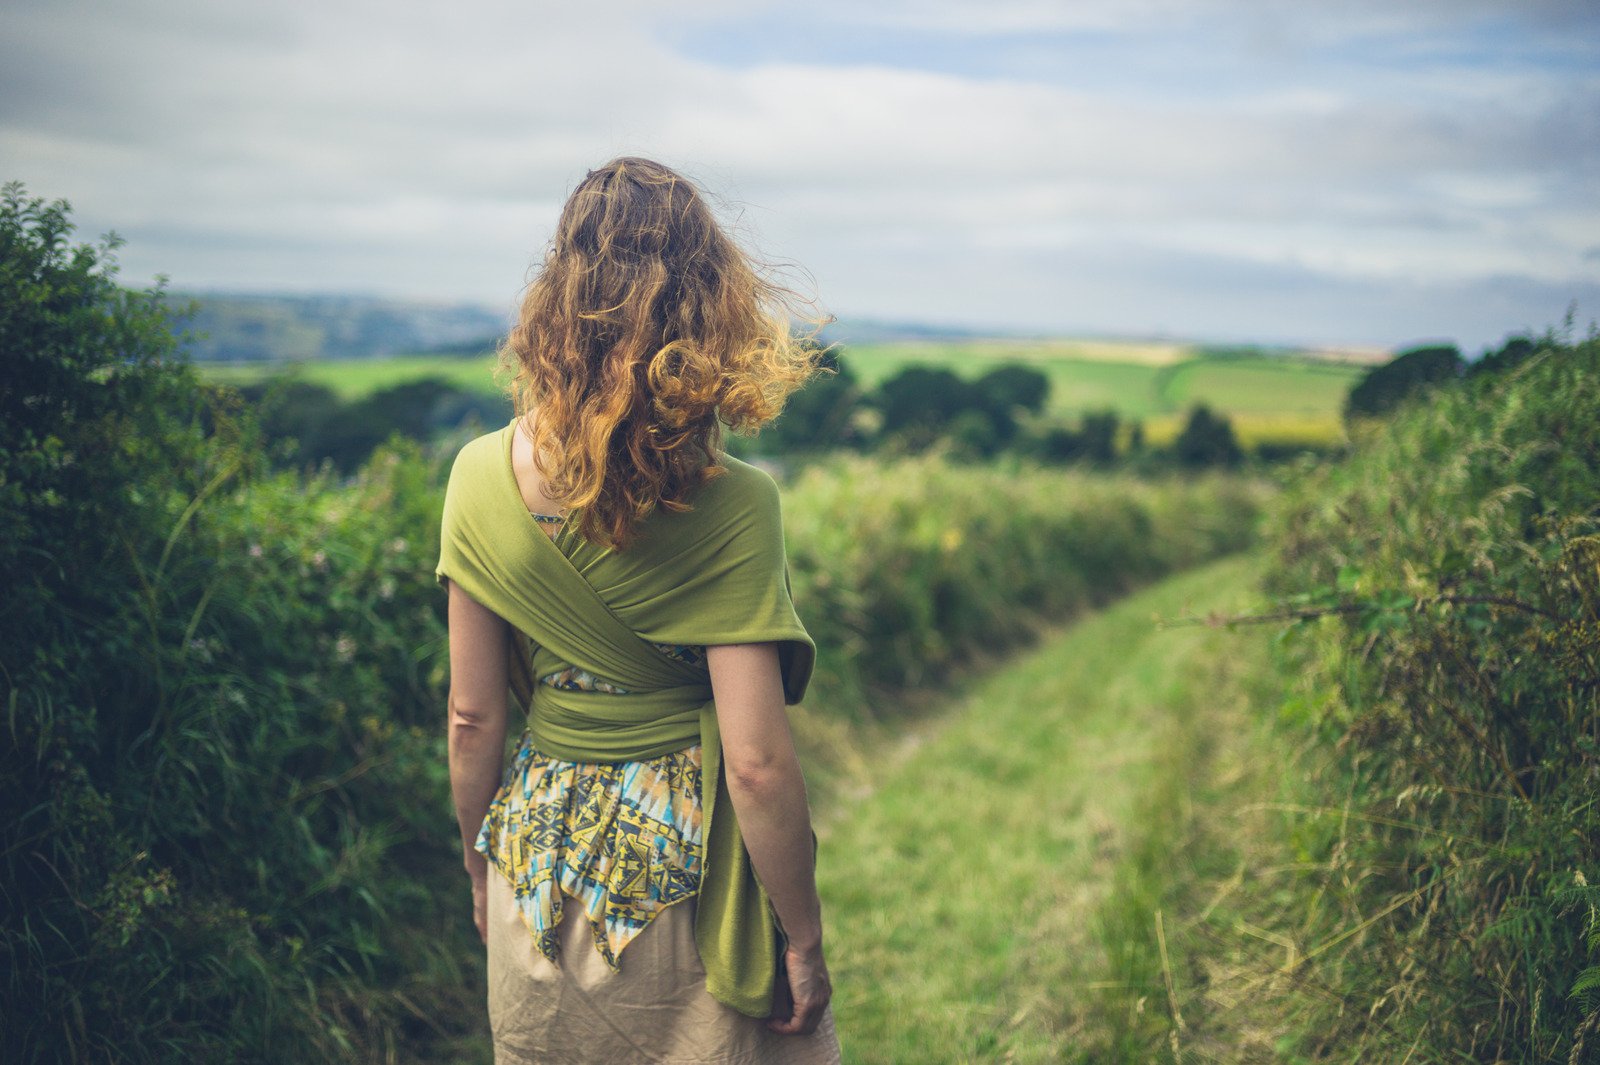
(769, 798)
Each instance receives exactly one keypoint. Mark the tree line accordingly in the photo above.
(917, 410)
(1003, 410)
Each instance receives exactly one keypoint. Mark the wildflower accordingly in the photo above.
(320, 561)
(398, 545)
(344, 649)
(255, 551)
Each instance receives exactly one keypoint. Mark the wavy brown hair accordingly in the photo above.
(646, 329)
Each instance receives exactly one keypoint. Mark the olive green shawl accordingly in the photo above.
(715, 574)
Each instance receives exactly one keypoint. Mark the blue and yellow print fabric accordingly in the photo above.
(622, 839)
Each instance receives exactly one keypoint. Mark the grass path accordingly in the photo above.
(994, 897)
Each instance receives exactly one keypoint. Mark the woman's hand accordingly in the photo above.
(809, 992)
(480, 901)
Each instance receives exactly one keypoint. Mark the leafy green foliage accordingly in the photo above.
(1095, 440)
(1513, 353)
(1015, 387)
(920, 402)
(1449, 579)
(309, 424)
(1385, 387)
(821, 416)
(224, 834)
(906, 568)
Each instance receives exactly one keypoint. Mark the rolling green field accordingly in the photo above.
(354, 378)
(1271, 398)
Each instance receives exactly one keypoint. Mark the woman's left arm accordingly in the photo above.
(479, 661)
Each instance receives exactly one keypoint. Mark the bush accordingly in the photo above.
(1450, 577)
(226, 836)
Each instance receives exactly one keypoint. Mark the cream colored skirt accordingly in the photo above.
(655, 1009)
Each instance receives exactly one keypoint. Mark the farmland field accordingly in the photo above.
(1278, 398)
(354, 378)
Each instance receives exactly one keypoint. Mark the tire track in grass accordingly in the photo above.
(976, 899)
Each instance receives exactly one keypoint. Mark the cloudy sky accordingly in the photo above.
(1349, 172)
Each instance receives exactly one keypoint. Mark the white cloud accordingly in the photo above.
(417, 149)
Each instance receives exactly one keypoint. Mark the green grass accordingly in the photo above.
(994, 894)
(1092, 379)
(355, 378)
(1262, 385)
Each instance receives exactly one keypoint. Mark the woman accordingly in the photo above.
(652, 896)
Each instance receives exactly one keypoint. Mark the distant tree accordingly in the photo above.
(310, 423)
(1207, 440)
(820, 415)
(1512, 353)
(1386, 387)
(920, 402)
(1059, 444)
(1004, 392)
(1099, 434)
(295, 416)
(974, 435)
(1011, 386)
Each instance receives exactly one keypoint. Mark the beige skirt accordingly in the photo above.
(655, 1009)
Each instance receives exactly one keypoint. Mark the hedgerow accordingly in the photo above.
(1447, 579)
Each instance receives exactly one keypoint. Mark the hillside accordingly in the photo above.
(262, 328)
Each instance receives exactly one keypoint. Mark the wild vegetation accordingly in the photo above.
(906, 568)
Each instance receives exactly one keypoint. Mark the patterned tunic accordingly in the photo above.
(622, 839)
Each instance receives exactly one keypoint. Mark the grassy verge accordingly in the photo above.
(996, 894)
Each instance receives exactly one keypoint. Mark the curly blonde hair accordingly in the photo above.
(646, 329)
